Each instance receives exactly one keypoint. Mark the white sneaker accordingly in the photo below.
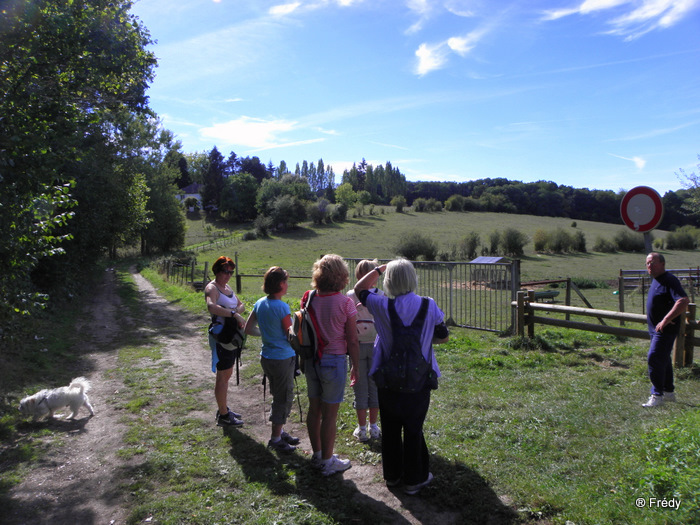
(374, 431)
(669, 396)
(361, 434)
(335, 465)
(654, 401)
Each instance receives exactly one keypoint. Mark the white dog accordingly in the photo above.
(47, 401)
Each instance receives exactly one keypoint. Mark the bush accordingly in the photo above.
(398, 202)
(287, 211)
(604, 245)
(454, 203)
(415, 245)
(319, 211)
(513, 242)
(434, 205)
(468, 246)
(559, 241)
(626, 241)
(540, 240)
(262, 225)
(680, 240)
(579, 244)
(588, 284)
(339, 213)
(420, 204)
(495, 241)
(250, 236)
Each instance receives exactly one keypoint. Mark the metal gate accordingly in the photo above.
(472, 295)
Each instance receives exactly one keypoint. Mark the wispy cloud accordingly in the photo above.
(255, 133)
(431, 57)
(638, 161)
(656, 132)
(638, 19)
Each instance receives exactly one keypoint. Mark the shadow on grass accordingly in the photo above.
(457, 495)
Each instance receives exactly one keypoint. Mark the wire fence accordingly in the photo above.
(472, 295)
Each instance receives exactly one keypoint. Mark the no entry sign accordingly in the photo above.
(641, 209)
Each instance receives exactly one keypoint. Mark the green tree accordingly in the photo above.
(344, 194)
(66, 67)
(213, 180)
(238, 197)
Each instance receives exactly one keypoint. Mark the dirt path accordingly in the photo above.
(75, 483)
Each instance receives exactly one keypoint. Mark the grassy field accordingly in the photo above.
(377, 236)
(548, 430)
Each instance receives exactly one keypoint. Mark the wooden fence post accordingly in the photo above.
(689, 349)
(679, 346)
(530, 323)
(520, 312)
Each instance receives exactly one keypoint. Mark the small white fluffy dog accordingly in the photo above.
(47, 401)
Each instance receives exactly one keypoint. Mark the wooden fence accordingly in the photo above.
(526, 308)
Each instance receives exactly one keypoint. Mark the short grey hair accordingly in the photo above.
(400, 277)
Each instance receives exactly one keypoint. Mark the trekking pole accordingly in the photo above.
(301, 415)
(264, 384)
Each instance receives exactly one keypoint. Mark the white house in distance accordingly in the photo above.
(193, 190)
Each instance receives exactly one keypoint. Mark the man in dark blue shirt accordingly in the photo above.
(666, 302)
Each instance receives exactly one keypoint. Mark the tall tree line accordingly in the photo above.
(84, 166)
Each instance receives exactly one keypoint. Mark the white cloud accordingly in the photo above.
(641, 16)
(638, 161)
(284, 9)
(254, 133)
(430, 58)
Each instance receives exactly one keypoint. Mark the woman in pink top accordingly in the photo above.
(325, 377)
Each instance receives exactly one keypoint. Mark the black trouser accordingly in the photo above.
(404, 452)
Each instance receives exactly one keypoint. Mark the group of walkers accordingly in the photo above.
(371, 331)
(364, 330)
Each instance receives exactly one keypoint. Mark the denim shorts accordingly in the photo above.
(326, 378)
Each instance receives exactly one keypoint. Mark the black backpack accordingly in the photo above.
(406, 370)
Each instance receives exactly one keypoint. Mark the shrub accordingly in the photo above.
(495, 241)
(604, 245)
(434, 205)
(540, 240)
(287, 211)
(626, 241)
(420, 204)
(559, 241)
(680, 240)
(262, 225)
(398, 202)
(454, 203)
(579, 244)
(414, 245)
(468, 246)
(588, 284)
(513, 242)
(250, 236)
(339, 213)
(319, 211)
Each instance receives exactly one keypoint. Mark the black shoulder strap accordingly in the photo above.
(418, 320)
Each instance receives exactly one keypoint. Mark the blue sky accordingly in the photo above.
(598, 94)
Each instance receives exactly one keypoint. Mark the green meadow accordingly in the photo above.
(547, 431)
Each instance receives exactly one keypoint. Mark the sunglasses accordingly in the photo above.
(227, 272)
